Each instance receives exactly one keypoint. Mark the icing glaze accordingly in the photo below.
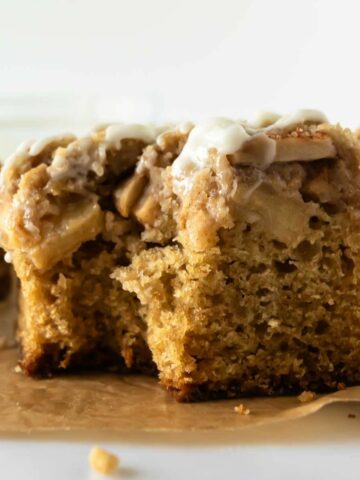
(37, 147)
(227, 137)
(114, 134)
(290, 120)
(224, 135)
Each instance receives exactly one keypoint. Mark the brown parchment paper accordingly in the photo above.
(130, 403)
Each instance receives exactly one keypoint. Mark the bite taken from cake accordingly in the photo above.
(222, 255)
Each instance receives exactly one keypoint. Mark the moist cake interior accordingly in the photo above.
(224, 255)
(274, 306)
(68, 239)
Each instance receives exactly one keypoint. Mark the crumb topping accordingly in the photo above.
(176, 182)
(102, 461)
(228, 137)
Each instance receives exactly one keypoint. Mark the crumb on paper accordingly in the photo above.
(351, 415)
(306, 396)
(341, 386)
(17, 369)
(242, 410)
(102, 461)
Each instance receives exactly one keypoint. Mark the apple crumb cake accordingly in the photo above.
(226, 254)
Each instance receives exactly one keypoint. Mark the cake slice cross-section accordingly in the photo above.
(64, 235)
(259, 291)
(224, 255)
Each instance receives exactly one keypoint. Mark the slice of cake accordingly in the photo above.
(227, 253)
(258, 292)
(60, 225)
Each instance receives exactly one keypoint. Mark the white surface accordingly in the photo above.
(142, 60)
(324, 445)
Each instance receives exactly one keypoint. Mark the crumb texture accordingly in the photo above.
(239, 278)
(267, 303)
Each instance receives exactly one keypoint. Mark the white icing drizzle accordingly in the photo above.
(75, 161)
(31, 148)
(69, 163)
(263, 119)
(228, 136)
(224, 135)
(290, 120)
(114, 134)
(23, 148)
(37, 147)
(185, 127)
(269, 152)
(8, 257)
(16, 158)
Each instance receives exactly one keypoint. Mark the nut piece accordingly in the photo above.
(146, 209)
(128, 192)
(102, 461)
(80, 223)
(262, 150)
(292, 149)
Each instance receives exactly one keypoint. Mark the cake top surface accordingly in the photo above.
(148, 177)
(227, 137)
(224, 135)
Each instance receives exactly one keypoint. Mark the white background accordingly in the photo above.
(67, 64)
(85, 61)
(187, 58)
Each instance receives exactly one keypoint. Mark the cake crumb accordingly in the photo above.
(242, 410)
(306, 396)
(17, 369)
(351, 415)
(102, 461)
